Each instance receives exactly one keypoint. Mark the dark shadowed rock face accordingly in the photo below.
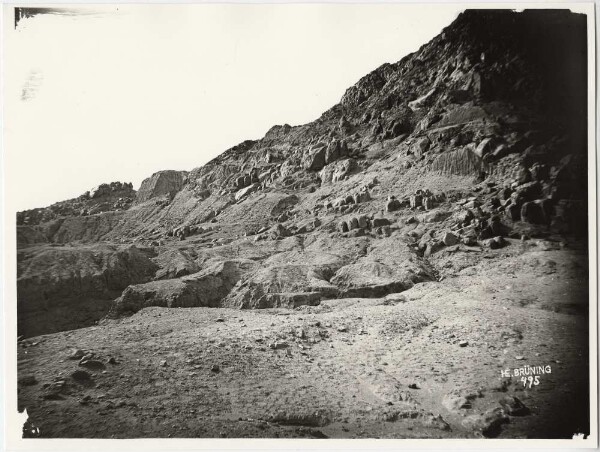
(479, 134)
(70, 287)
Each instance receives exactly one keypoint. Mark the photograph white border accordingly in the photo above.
(13, 421)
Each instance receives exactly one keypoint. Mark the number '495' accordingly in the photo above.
(532, 381)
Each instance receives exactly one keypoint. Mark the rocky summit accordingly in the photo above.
(379, 272)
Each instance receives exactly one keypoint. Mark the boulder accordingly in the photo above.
(392, 205)
(512, 212)
(470, 240)
(333, 152)
(314, 160)
(494, 243)
(532, 212)
(380, 221)
(361, 196)
(428, 203)
(449, 239)
(278, 231)
(505, 193)
(488, 423)
(433, 247)
(160, 184)
(485, 146)
(241, 194)
(336, 171)
(456, 402)
(420, 146)
(362, 222)
(415, 201)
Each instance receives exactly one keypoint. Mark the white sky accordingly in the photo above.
(124, 93)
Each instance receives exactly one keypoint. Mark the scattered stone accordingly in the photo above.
(469, 240)
(300, 333)
(488, 423)
(379, 221)
(86, 357)
(392, 205)
(415, 201)
(362, 222)
(454, 403)
(433, 247)
(450, 239)
(215, 368)
(342, 328)
(277, 345)
(27, 380)
(486, 145)
(428, 203)
(93, 364)
(436, 422)
(163, 363)
(76, 353)
(81, 375)
(463, 343)
(494, 243)
(394, 298)
(513, 406)
(413, 386)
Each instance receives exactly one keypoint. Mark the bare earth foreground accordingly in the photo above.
(350, 368)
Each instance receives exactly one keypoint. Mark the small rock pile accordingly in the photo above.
(357, 226)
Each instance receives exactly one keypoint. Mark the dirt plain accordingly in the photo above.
(391, 367)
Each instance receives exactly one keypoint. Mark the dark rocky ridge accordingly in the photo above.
(479, 134)
(103, 198)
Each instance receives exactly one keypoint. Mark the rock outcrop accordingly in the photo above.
(116, 196)
(205, 288)
(72, 287)
(160, 184)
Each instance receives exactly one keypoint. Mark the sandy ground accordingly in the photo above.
(422, 364)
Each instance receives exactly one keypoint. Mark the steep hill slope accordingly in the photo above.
(427, 175)
(498, 98)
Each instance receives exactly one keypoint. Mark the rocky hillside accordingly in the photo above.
(441, 203)
(103, 198)
(478, 135)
